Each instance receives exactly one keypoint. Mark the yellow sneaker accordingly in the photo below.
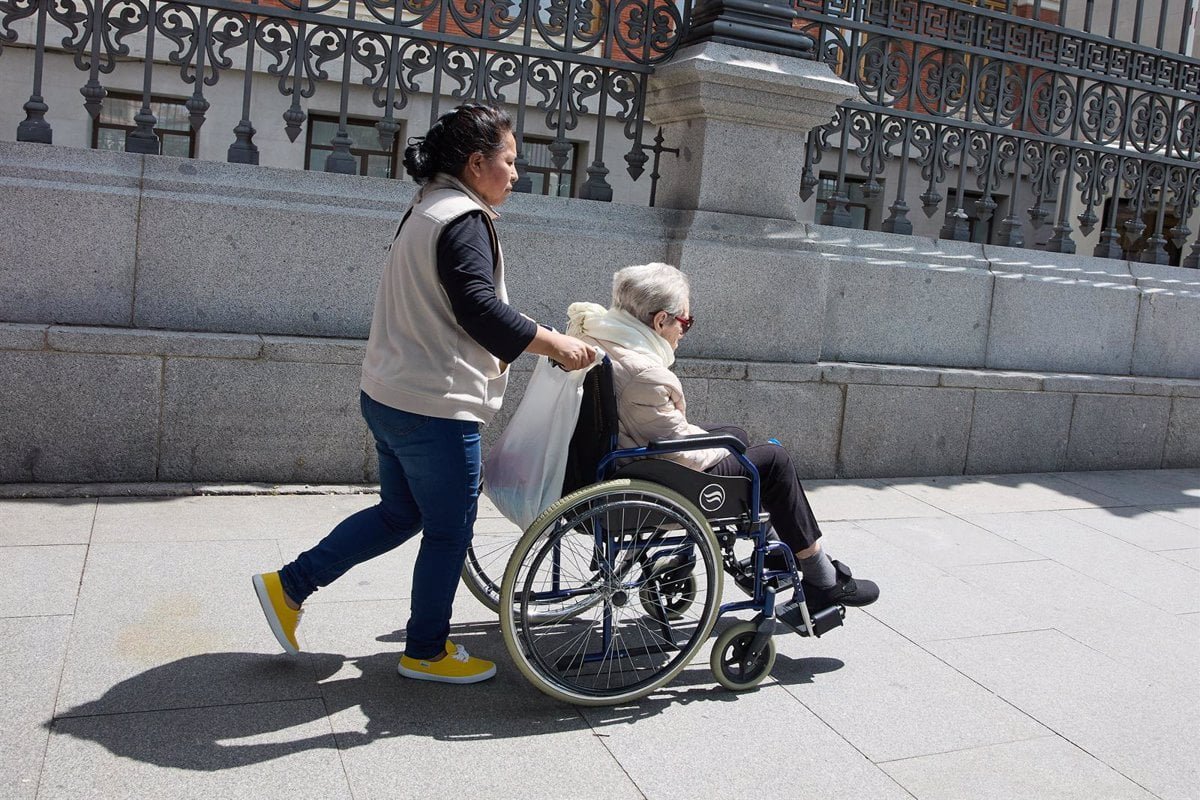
(458, 666)
(283, 620)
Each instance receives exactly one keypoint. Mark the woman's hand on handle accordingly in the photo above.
(567, 351)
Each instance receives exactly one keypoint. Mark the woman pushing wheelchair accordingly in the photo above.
(649, 316)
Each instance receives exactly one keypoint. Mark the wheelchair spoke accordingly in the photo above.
(645, 645)
(615, 593)
(483, 569)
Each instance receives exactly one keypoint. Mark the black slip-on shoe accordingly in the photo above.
(847, 591)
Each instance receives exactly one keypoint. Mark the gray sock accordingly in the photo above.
(818, 570)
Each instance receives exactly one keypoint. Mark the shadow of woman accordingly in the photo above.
(219, 711)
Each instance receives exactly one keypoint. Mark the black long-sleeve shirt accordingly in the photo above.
(466, 270)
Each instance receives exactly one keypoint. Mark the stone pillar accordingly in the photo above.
(739, 117)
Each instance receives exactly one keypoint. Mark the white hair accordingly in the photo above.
(645, 289)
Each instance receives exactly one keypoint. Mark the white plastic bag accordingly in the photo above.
(523, 472)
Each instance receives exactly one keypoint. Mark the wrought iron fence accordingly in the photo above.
(1024, 100)
(562, 58)
(1027, 102)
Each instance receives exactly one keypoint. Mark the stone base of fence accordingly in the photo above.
(89, 404)
(172, 244)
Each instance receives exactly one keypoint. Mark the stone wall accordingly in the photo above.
(163, 319)
(87, 404)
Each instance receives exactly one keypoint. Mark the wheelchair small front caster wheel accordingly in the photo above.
(731, 662)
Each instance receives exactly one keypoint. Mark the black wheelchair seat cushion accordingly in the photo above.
(717, 496)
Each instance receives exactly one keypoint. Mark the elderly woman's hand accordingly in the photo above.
(567, 351)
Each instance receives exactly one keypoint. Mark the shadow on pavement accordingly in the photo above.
(220, 711)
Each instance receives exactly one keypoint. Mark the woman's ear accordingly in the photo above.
(475, 162)
(659, 320)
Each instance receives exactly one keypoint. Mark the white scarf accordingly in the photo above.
(619, 327)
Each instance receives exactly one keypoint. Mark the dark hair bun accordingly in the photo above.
(416, 160)
(450, 142)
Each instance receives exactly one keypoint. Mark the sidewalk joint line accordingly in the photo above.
(66, 651)
(970, 678)
(1045, 510)
(1022, 711)
(993, 634)
(852, 745)
(1006, 563)
(64, 717)
(1113, 536)
(337, 746)
(601, 737)
(973, 747)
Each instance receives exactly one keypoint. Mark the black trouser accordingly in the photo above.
(780, 491)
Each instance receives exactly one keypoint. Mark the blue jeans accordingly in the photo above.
(428, 480)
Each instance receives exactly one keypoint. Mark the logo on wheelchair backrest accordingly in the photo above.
(712, 497)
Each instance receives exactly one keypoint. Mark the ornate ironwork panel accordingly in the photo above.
(569, 61)
(1015, 100)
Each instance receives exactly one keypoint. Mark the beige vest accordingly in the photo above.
(418, 357)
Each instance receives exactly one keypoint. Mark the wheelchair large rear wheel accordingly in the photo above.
(588, 606)
(483, 571)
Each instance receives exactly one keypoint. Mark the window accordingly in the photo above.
(861, 207)
(546, 178)
(1131, 249)
(373, 160)
(981, 230)
(175, 134)
(591, 15)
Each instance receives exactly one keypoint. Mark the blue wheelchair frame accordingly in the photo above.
(655, 554)
(796, 614)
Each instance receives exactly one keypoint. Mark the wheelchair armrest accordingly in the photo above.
(700, 441)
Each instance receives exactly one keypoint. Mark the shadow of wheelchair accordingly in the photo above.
(218, 711)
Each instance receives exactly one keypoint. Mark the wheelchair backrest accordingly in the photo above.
(595, 436)
(595, 433)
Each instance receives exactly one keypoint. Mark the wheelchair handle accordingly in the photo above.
(700, 441)
(595, 361)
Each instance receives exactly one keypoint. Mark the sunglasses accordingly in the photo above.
(685, 323)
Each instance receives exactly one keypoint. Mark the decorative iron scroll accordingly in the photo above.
(562, 58)
(1029, 108)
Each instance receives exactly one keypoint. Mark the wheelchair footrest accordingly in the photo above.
(823, 621)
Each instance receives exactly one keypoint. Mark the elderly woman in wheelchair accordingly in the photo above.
(613, 589)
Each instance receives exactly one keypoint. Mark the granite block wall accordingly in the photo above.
(93, 404)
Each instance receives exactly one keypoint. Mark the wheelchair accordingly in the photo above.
(617, 586)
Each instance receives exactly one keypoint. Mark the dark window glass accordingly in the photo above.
(1131, 246)
(981, 230)
(543, 174)
(116, 122)
(373, 158)
(860, 206)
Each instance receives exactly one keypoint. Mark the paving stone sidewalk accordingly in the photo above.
(1038, 636)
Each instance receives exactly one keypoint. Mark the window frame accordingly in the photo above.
(572, 171)
(868, 206)
(970, 198)
(1126, 211)
(136, 97)
(361, 154)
